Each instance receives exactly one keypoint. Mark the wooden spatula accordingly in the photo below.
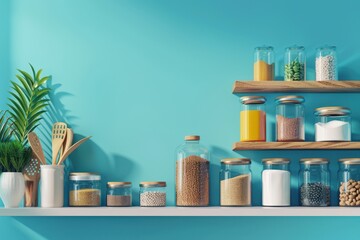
(36, 147)
(68, 141)
(58, 138)
(71, 149)
(32, 176)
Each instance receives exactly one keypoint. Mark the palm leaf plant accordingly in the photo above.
(5, 127)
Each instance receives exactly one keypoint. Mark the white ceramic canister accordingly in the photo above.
(52, 186)
(12, 188)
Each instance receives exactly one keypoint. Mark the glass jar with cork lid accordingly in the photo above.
(192, 173)
(85, 189)
(118, 194)
(152, 194)
(349, 182)
(264, 63)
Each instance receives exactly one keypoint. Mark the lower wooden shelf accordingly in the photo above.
(182, 211)
(296, 145)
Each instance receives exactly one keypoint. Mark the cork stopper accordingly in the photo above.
(192, 138)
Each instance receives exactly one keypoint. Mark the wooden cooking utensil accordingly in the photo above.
(58, 138)
(72, 148)
(32, 176)
(36, 147)
(68, 141)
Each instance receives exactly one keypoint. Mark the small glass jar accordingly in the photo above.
(276, 182)
(332, 124)
(85, 189)
(326, 63)
(290, 119)
(152, 194)
(252, 119)
(118, 194)
(295, 63)
(264, 64)
(349, 182)
(314, 182)
(192, 173)
(235, 182)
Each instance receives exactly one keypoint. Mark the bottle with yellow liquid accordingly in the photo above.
(264, 63)
(252, 119)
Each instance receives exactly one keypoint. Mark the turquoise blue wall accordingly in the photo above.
(139, 75)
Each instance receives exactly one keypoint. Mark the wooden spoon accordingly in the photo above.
(31, 174)
(71, 149)
(36, 147)
(58, 138)
(68, 141)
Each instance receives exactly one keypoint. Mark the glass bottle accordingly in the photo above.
(349, 182)
(326, 63)
(295, 64)
(192, 173)
(264, 63)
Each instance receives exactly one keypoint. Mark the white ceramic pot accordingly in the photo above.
(12, 188)
(52, 186)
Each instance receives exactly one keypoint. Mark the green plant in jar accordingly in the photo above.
(294, 71)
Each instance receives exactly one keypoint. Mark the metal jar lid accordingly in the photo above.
(290, 99)
(314, 161)
(84, 176)
(332, 111)
(264, 48)
(276, 161)
(118, 184)
(236, 161)
(252, 100)
(192, 138)
(152, 184)
(350, 161)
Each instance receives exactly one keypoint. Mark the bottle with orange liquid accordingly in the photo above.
(264, 63)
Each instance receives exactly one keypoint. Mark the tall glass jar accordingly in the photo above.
(333, 124)
(192, 173)
(264, 63)
(276, 182)
(326, 63)
(349, 182)
(235, 182)
(290, 119)
(252, 119)
(314, 182)
(295, 63)
(85, 189)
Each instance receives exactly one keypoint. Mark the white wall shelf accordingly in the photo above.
(178, 211)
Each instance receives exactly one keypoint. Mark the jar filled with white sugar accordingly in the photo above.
(332, 124)
(152, 194)
(276, 182)
(326, 63)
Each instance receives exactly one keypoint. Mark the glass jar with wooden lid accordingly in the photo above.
(118, 194)
(153, 194)
(349, 182)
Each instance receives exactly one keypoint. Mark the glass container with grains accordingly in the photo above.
(84, 189)
(349, 182)
(118, 194)
(264, 63)
(152, 194)
(295, 63)
(326, 64)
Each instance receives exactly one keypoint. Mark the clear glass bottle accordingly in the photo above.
(326, 63)
(333, 124)
(152, 194)
(276, 182)
(252, 119)
(349, 182)
(118, 194)
(264, 63)
(290, 119)
(85, 189)
(192, 173)
(314, 182)
(295, 63)
(235, 182)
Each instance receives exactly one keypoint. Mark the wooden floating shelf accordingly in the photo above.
(296, 86)
(296, 146)
(181, 211)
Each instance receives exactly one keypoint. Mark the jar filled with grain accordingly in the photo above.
(118, 194)
(84, 189)
(326, 64)
(314, 182)
(349, 182)
(152, 194)
(264, 63)
(295, 63)
(290, 119)
(235, 182)
(192, 173)
(252, 119)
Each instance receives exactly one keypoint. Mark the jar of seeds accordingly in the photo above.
(118, 194)
(326, 64)
(349, 182)
(295, 64)
(314, 182)
(84, 189)
(152, 194)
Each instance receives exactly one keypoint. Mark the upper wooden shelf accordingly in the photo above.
(296, 86)
(296, 145)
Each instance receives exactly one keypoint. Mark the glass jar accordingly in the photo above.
(295, 64)
(252, 119)
(332, 124)
(85, 189)
(314, 182)
(264, 64)
(349, 182)
(118, 194)
(152, 194)
(276, 182)
(326, 63)
(290, 119)
(235, 182)
(192, 173)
